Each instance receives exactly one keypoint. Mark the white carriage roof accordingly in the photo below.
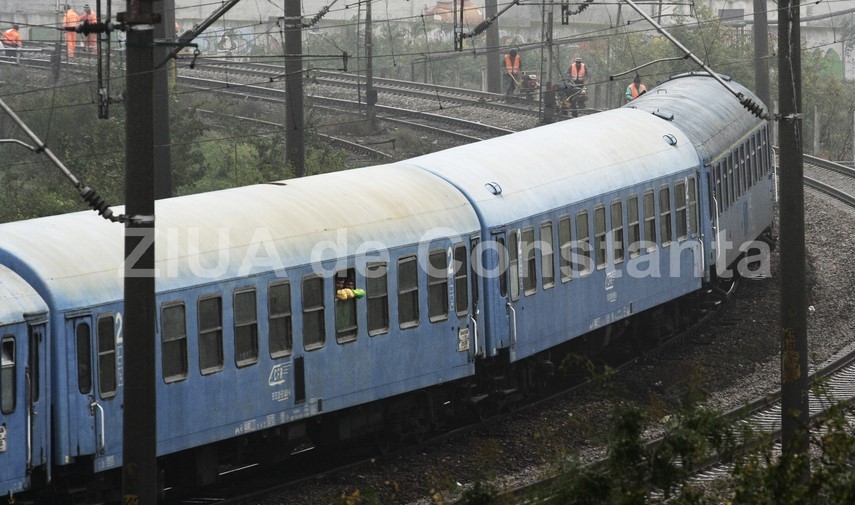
(17, 299)
(577, 160)
(77, 259)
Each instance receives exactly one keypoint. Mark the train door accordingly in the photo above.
(504, 288)
(38, 412)
(476, 315)
(83, 409)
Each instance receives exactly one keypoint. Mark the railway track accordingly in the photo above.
(762, 416)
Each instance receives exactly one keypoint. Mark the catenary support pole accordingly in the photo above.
(493, 55)
(794, 349)
(139, 433)
(165, 30)
(760, 32)
(295, 149)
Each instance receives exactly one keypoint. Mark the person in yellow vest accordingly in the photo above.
(635, 89)
(90, 43)
(70, 20)
(512, 70)
(12, 39)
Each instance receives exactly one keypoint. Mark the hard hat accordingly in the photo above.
(578, 59)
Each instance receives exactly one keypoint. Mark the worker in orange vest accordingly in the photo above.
(12, 38)
(90, 44)
(635, 89)
(70, 20)
(512, 70)
(578, 72)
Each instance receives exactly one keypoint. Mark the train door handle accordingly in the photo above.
(93, 405)
(513, 314)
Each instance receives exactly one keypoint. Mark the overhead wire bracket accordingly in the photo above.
(459, 36)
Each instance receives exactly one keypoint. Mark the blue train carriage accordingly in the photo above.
(24, 390)
(251, 333)
(601, 218)
(596, 219)
(737, 178)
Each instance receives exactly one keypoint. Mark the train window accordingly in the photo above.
(514, 264)
(377, 295)
(719, 196)
(731, 178)
(280, 321)
(345, 306)
(314, 330)
(582, 250)
(503, 266)
(106, 356)
(529, 270)
(461, 280)
(8, 386)
(617, 231)
(546, 256)
(438, 285)
(84, 358)
(650, 221)
(634, 229)
(665, 215)
(173, 337)
(408, 292)
(565, 249)
(725, 184)
(693, 207)
(680, 211)
(246, 327)
(600, 236)
(210, 334)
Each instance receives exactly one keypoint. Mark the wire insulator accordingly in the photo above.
(755, 108)
(94, 200)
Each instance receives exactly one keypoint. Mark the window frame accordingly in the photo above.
(582, 248)
(666, 227)
(565, 248)
(411, 292)
(460, 263)
(529, 258)
(9, 373)
(250, 325)
(109, 355)
(547, 255)
(343, 308)
(316, 312)
(167, 343)
(633, 227)
(215, 330)
(273, 318)
(681, 212)
(437, 284)
(600, 240)
(618, 232)
(374, 297)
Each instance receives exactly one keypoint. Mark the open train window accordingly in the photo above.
(514, 264)
(529, 270)
(438, 285)
(634, 227)
(106, 356)
(377, 294)
(617, 231)
(665, 215)
(547, 261)
(8, 386)
(173, 342)
(565, 249)
(680, 210)
(693, 207)
(210, 334)
(280, 320)
(408, 292)
(600, 236)
(650, 221)
(582, 249)
(84, 358)
(246, 327)
(461, 280)
(346, 325)
(314, 330)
